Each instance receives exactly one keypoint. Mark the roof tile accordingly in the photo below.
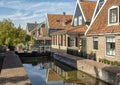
(54, 18)
(73, 30)
(100, 25)
(88, 8)
(31, 26)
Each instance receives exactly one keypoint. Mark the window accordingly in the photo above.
(75, 22)
(95, 43)
(72, 41)
(58, 21)
(80, 20)
(113, 15)
(110, 46)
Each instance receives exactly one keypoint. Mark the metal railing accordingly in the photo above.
(44, 48)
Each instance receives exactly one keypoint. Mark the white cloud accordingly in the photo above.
(30, 12)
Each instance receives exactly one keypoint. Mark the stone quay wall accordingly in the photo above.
(107, 73)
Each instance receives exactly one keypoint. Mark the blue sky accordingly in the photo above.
(29, 11)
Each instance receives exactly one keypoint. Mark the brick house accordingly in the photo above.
(56, 22)
(38, 31)
(103, 35)
(73, 38)
(30, 27)
(40, 35)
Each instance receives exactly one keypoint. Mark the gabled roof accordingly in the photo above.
(74, 30)
(56, 21)
(61, 31)
(43, 38)
(78, 30)
(43, 31)
(98, 7)
(88, 8)
(52, 76)
(100, 24)
(31, 26)
(42, 24)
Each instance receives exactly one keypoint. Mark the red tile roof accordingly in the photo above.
(78, 30)
(88, 8)
(56, 21)
(52, 76)
(100, 25)
(61, 32)
(74, 30)
(43, 38)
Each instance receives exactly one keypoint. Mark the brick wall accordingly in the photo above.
(117, 47)
(101, 52)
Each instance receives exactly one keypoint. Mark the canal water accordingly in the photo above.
(57, 73)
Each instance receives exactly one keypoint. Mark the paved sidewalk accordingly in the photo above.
(13, 72)
(63, 53)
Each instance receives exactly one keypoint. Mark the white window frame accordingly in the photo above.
(95, 39)
(80, 20)
(75, 21)
(106, 46)
(113, 7)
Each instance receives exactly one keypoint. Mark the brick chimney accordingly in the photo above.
(64, 19)
(64, 13)
(35, 22)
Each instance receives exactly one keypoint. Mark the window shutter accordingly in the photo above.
(76, 41)
(60, 39)
(65, 40)
(68, 41)
(52, 40)
(56, 39)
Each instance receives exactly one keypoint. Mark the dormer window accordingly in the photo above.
(58, 21)
(75, 22)
(113, 15)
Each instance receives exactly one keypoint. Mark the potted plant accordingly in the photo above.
(92, 55)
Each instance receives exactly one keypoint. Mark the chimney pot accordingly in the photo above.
(64, 13)
(35, 22)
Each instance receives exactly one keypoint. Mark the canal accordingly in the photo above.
(46, 72)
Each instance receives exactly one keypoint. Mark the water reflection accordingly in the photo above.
(56, 73)
(73, 76)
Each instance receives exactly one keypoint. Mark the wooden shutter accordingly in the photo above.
(56, 39)
(52, 40)
(68, 41)
(76, 41)
(65, 40)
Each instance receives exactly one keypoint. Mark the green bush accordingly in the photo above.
(100, 60)
(116, 63)
(2, 48)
